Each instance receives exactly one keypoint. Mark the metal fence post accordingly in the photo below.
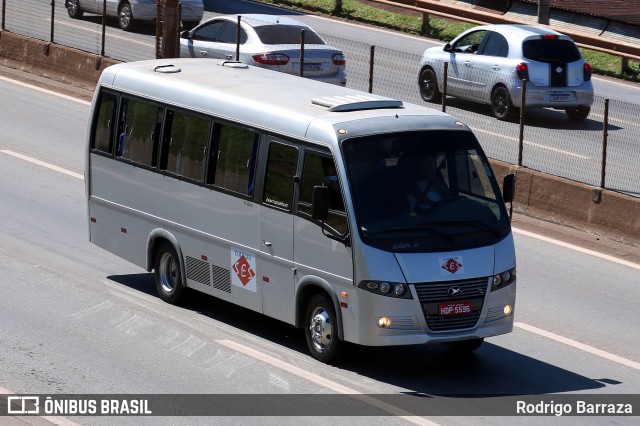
(523, 97)
(301, 53)
(53, 16)
(605, 134)
(104, 25)
(4, 8)
(238, 39)
(444, 87)
(371, 62)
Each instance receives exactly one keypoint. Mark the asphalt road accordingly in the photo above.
(78, 320)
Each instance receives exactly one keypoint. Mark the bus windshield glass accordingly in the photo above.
(424, 191)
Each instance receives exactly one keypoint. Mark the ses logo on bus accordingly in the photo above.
(243, 266)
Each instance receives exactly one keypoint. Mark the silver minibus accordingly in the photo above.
(356, 217)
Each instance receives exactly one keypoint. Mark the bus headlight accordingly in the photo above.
(503, 279)
(386, 288)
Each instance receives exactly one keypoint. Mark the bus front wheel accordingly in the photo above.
(321, 329)
(167, 272)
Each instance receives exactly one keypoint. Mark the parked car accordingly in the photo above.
(129, 12)
(488, 63)
(266, 41)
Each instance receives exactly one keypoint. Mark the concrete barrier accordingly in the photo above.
(51, 60)
(606, 213)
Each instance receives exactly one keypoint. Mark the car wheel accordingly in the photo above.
(465, 346)
(125, 18)
(501, 105)
(428, 83)
(169, 283)
(321, 329)
(73, 9)
(578, 113)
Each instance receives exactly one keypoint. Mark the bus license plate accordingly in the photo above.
(454, 308)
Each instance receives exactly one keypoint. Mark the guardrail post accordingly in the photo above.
(605, 134)
(371, 62)
(425, 25)
(543, 12)
(53, 15)
(444, 87)
(337, 9)
(301, 53)
(523, 98)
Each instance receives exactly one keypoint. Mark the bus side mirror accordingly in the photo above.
(509, 188)
(320, 203)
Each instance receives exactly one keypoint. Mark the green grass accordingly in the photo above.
(440, 29)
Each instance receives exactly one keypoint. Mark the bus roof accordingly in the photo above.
(270, 100)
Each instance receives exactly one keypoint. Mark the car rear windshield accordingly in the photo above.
(285, 34)
(556, 50)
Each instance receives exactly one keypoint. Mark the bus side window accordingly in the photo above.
(188, 139)
(321, 170)
(138, 132)
(235, 159)
(282, 163)
(105, 124)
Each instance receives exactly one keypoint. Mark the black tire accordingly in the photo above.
(465, 346)
(125, 17)
(321, 329)
(578, 113)
(169, 281)
(73, 9)
(501, 106)
(428, 83)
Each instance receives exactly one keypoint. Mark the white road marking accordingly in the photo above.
(49, 92)
(581, 346)
(43, 164)
(321, 381)
(91, 30)
(577, 248)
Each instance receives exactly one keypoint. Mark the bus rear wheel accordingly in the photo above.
(321, 329)
(168, 276)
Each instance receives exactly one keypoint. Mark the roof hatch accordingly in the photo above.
(356, 102)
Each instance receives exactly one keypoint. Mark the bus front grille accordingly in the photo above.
(433, 296)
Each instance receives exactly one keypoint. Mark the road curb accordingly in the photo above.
(539, 195)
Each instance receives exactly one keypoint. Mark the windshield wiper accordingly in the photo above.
(475, 223)
(422, 227)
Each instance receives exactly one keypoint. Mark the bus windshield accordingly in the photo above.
(424, 191)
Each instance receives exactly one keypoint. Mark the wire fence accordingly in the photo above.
(601, 151)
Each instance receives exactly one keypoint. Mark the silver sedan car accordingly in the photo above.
(487, 64)
(129, 12)
(266, 41)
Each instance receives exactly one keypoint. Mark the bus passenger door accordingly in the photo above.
(275, 264)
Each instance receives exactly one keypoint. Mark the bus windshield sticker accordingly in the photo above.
(243, 267)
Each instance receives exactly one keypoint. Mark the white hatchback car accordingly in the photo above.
(129, 12)
(266, 41)
(488, 63)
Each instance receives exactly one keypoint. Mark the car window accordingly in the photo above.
(208, 32)
(550, 50)
(494, 44)
(229, 34)
(470, 42)
(286, 34)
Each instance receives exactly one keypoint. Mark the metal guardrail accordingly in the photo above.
(594, 33)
